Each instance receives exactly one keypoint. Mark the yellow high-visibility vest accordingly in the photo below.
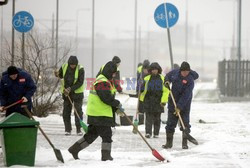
(95, 106)
(64, 69)
(165, 91)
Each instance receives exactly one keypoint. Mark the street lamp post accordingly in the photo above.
(186, 33)
(93, 38)
(57, 17)
(135, 36)
(1, 39)
(13, 35)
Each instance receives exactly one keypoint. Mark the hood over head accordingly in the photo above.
(116, 60)
(72, 60)
(155, 65)
(109, 69)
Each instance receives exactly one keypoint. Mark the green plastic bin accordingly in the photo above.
(18, 137)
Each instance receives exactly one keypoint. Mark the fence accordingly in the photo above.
(234, 78)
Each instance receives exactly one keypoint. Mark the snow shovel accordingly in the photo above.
(189, 137)
(83, 125)
(154, 152)
(56, 151)
(13, 104)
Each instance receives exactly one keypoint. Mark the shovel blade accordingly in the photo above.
(84, 126)
(157, 155)
(190, 138)
(58, 155)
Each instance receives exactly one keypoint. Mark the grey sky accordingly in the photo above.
(115, 19)
(118, 15)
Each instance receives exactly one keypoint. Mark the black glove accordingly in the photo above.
(167, 85)
(163, 104)
(67, 91)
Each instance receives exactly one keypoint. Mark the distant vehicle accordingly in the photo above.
(3, 2)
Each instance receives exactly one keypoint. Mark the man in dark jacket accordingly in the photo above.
(72, 75)
(115, 80)
(154, 96)
(101, 103)
(16, 84)
(182, 80)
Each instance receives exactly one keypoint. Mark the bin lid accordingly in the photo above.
(16, 120)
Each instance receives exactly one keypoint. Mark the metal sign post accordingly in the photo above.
(23, 22)
(166, 15)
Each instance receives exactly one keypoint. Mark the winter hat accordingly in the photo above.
(185, 66)
(73, 60)
(145, 64)
(116, 60)
(155, 65)
(12, 70)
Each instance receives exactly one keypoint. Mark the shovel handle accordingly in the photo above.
(13, 104)
(172, 96)
(135, 128)
(46, 137)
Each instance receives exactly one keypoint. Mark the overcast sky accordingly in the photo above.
(115, 19)
(117, 16)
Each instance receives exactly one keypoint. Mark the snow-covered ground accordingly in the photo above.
(222, 130)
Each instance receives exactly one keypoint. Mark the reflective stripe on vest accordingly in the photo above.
(165, 91)
(96, 107)
(64, 69)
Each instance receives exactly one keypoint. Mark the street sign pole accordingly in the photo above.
(169, 37)
(166, 15)
(23, 51)
(22, 22)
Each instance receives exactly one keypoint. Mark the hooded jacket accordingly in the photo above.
(154, 92)
(69, 76)
(105, 96)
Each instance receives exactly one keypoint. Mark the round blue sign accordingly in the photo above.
(23, 21)
(166, 15)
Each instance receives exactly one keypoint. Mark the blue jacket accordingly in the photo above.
(13, 90)
(182, 89)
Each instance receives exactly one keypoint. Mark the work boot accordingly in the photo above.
(184, 141)
(106, 151)
(77, 147)
(169, 141)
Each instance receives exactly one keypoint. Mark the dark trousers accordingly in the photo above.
(153, 119)
(173, 119)
(94, 131)
(67, 108)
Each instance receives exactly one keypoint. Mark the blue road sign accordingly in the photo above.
(23, 21)
(163, 20)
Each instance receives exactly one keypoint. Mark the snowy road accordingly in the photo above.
(224, 141)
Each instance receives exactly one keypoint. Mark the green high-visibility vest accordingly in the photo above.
(165, 91)
(96, 107)
(64, 69)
